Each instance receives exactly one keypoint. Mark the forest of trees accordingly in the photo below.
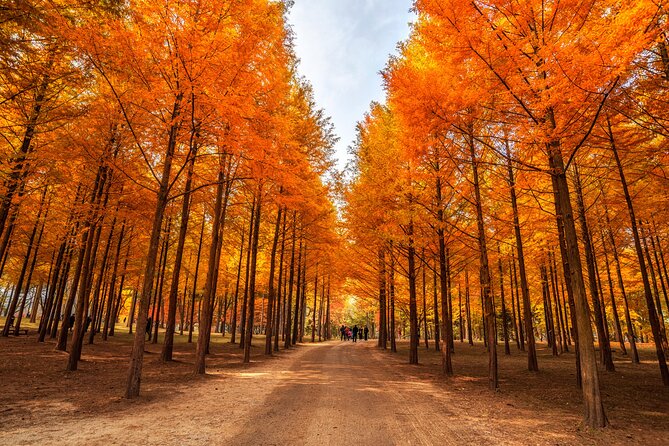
(163, 162)
(513, 186)
(163, 165)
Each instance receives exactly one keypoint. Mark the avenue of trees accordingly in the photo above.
(164, 169)
(164, 162)
(513, 186)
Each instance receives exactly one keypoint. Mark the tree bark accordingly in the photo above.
(271, 294)
(252, 278)
(652, 315)
(594, 415)
(532, 363)
(137, 356)
(413, 310)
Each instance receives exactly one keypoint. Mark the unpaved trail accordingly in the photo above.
(329, 393)
(333, 393)
(345, 393)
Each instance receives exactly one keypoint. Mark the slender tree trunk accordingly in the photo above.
(298, 295)
(513, 290)
(195, 277)
(206, 305)
(19, 284)
(562, 317)
(110, 302)
(652, 315)
(532, 363)
(303, 295)
(484, 271)
(435, 308)
(446, 362)
(594, 410)
(242, 327)
(614, 306)
(313, 311)
(413, 310)
(391, 291)
(660, 314)
(137, 356)
(161, 281)
(87, 235)
(31, 270)
(168, 343)
(424, 295)
(280, 285)
(505, 321)
(468, 309)
(383, 335)
(233, 334)
(271, 294)
(252, 278)
(328, 333)
(604, 345)
(103, 266)
(291, 279)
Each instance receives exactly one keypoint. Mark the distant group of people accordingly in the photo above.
(355, 333)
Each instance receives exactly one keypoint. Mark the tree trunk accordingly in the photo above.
(594, 410)
(604, 345)
(660, 314)
(468, 310)
(271, 294)
(242, 327)
(532, 363)
(413, 310)
(383, 335)
(168, 343)
(289, 303)
(19, 284)
(206, 305)
(435, 308)
(298, 295)
(614, 306)
(137, 356)
(424, 295)
(103, 266)
(446, 362)
(484, 271)
(280, 285)
(252, 278)
(391, 292)
(505, 321)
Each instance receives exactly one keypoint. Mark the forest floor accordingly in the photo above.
(330, 393)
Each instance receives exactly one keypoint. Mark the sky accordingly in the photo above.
(342, 46)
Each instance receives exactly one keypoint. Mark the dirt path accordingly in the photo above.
(330, 393)
(343, 393)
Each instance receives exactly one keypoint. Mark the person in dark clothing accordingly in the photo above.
(342, 332)
(366, 331)
(355, 333)
(71, 324)
(87, 324)
(149, 325)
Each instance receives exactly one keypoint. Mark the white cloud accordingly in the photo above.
(343, 44)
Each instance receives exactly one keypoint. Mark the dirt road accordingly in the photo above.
(317, 394)
(330, 393)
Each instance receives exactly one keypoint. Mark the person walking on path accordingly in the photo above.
(366, 331)
(355, 333)
(342, 332)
